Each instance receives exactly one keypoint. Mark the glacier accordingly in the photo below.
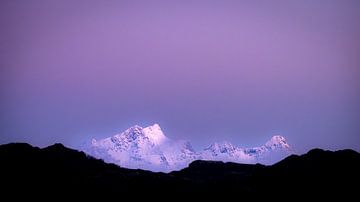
(149, 149)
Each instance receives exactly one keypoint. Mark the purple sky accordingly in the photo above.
(207, 71)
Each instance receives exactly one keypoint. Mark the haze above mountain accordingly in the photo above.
(148, 148)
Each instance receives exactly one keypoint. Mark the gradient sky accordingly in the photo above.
(206, 71)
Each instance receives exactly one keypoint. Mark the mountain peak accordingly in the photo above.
(136, 132)
(155, 133)
(155, 126)
(222, 147)
(277, 141)
(132, 133)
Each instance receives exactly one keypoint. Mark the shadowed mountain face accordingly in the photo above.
(60, 170)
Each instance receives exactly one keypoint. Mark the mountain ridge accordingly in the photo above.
(149, 148)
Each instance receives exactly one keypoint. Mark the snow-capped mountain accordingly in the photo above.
(273, 150)
(226, 152)
(148, 148)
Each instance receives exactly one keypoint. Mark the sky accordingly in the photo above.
(206, 71)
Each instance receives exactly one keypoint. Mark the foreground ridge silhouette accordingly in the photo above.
(60, 170)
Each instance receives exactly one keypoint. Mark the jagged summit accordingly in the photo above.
(277, 141)
(221, 147)
(152, 133)
(155, 133)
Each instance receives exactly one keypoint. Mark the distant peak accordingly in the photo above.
(154, 127)
(155, 133)
(277, 141)
(221, 147)
(222, 144)
(132, 133)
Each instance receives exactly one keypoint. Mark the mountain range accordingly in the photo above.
(148, 148)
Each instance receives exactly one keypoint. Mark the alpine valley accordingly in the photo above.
(149, 149)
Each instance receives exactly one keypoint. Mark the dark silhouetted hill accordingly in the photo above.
(59, 170)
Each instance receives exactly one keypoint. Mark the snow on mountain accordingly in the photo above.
(148, 148)
(274, 150)
(226, 152)
(155, 134)
(277, 142)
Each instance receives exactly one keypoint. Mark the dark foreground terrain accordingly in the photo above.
(58, 170)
